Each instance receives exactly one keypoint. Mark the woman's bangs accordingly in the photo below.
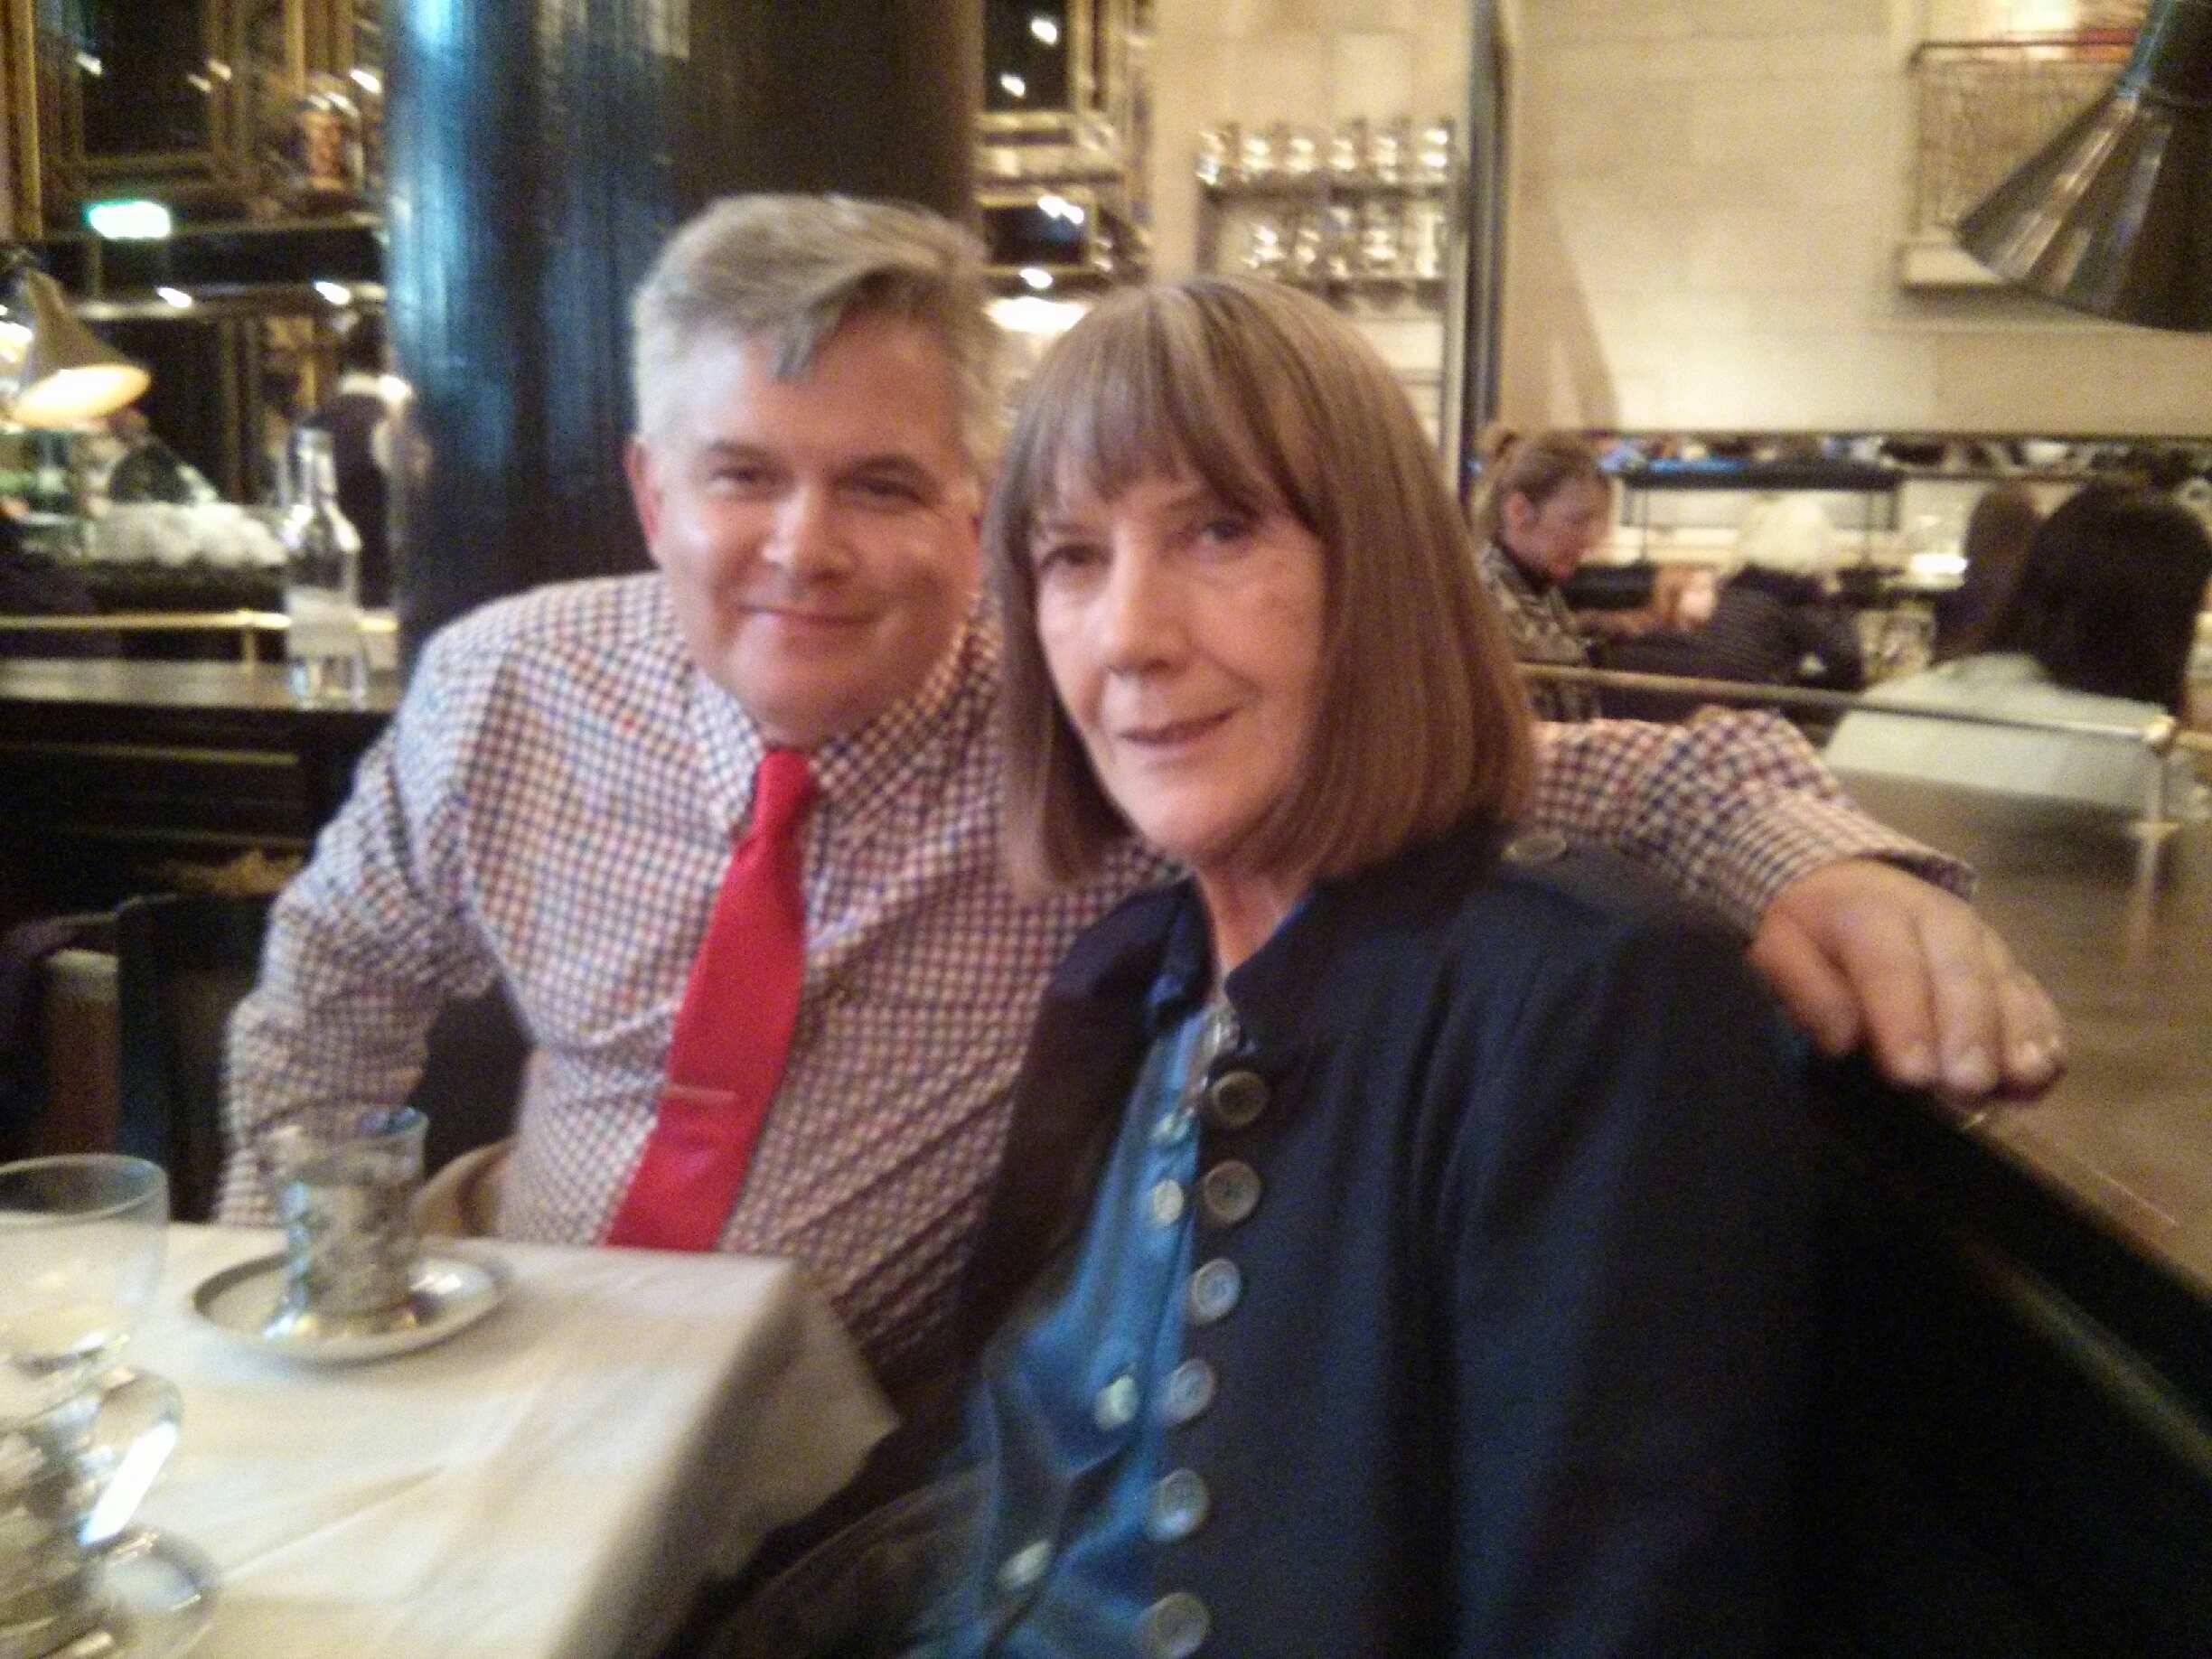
(1142, 402)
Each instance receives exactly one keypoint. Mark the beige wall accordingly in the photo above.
(1707, 198)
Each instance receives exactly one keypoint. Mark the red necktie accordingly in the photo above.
(733, 1030)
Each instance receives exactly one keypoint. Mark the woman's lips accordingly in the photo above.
(1171, 735)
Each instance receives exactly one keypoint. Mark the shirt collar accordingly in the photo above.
(858, 775)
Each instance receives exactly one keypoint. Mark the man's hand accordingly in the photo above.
(1860, 952)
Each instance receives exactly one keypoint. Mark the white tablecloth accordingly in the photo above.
(554, 1481)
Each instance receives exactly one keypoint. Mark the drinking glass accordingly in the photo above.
(348, 1207)
(81, 1243)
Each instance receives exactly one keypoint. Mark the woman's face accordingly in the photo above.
(1183, 639)
(1553, 539)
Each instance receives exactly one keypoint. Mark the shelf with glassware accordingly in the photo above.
(1362, 213)
(1365, 214)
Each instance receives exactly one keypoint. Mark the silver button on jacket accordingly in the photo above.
(1179, 1505)
(1214, 1288)
(1022, 1570)
(1188, 1391)
(1230, 1192)
(1236, 1099)
(1172, 1628)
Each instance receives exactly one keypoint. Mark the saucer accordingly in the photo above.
(161, 1595)
(447, 1294)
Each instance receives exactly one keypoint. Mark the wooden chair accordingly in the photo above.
(461, 1201)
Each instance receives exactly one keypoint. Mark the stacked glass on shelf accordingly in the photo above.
(1362, 201)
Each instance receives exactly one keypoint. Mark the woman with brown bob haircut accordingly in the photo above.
(1319, 427)
(1397, 1247)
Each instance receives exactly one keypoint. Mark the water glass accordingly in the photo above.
(81, 1241)
(347, 1203)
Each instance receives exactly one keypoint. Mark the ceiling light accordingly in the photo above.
(129, 220)
(1029, 314)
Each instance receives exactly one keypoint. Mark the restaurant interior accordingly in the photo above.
(1843, 270)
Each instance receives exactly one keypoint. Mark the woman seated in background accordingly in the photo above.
(1540, 507)
(1996, 550)
(1399, 1249)
(1777, 621)
(2099, 628)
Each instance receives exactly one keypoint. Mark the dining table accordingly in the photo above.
(556, 1479)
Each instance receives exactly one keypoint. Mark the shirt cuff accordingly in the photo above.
(1799, 832)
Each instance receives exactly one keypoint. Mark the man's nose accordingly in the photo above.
(804, 540)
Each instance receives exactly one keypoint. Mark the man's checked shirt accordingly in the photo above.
(554, 805)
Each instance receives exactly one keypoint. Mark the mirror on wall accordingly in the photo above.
(221, 109)
(1051, 67)
(139, 85)
(1061, 145)
(1030, 49)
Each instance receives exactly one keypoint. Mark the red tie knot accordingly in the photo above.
(782, 789)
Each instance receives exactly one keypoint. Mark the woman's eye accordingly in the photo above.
(1226, 529)
(1063, 557)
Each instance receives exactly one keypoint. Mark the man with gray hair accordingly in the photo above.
(809, 675)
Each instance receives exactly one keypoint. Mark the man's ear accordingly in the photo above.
(641, 467)
(1516, 513)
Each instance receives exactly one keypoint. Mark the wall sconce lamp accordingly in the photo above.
(69, 375)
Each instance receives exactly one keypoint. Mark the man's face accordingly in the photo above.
(817, 534)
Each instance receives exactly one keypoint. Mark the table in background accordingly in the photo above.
(555, 1481)
(111, 769)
